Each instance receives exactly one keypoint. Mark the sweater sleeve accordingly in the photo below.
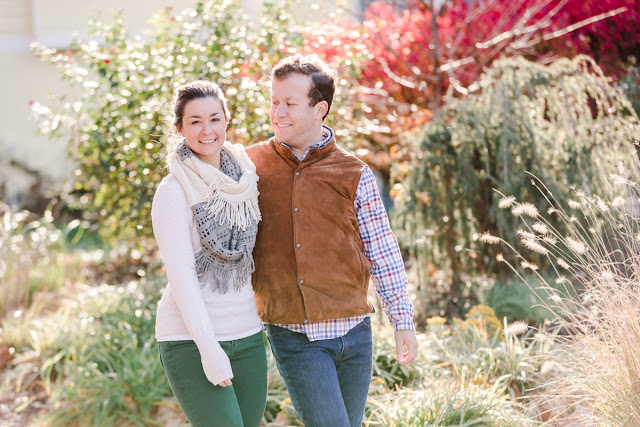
(172, 229)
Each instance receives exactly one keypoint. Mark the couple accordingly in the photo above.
(312, 238)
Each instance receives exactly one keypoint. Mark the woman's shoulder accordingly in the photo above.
(168, 183)
(240, 153)
(169, 187)
(238, 150)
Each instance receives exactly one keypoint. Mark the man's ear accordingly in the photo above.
(321, 108)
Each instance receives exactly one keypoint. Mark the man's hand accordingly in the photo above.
(406, 339)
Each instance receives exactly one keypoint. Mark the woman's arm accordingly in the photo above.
(172, 229)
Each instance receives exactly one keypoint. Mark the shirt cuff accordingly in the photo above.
(404, 325)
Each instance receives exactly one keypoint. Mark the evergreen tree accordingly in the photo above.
(564, 123)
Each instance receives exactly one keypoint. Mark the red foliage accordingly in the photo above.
(403, 56)
(610, 41)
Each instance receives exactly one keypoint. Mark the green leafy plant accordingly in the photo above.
(94, 356)
(483, 350)
(36, 255)
(516, 300)
(118, 125)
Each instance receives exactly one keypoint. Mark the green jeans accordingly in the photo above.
(242, 404)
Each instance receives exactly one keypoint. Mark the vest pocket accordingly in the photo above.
(363, 265)
(344, 265)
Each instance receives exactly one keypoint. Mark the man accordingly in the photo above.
(324, 231)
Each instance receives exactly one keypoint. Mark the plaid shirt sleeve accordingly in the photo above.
(381, 248)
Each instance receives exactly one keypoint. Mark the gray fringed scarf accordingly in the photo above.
(224, 203)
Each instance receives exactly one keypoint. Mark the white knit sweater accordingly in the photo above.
(188, 311)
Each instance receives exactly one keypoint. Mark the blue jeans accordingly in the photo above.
(327, 380)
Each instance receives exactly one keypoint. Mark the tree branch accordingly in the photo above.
(543, 23)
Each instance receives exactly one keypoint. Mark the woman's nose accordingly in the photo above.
(207, 129)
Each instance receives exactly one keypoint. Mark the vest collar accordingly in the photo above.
(314, 155)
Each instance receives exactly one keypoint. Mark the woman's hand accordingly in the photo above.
(215, 363)
(226, 383)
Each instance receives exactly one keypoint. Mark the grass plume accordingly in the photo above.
(591, 244)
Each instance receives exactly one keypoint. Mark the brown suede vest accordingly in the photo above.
(309, 256)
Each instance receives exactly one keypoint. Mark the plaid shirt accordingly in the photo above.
(383, 253)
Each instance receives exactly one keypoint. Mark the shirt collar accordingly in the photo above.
(327, 135)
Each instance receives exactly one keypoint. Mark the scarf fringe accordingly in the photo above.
(232, 209)
(220, 278)
(238, 201)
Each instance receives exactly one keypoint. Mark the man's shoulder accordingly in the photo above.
(259, 148)
(261, 154)
(349, 157)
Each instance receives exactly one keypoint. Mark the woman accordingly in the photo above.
(205, 218)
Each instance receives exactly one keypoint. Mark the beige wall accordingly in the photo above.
(24, 78)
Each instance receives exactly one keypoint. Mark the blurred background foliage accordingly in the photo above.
(451, 103)
(117, 128)
(564, 123)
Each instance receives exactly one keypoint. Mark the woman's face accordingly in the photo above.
(203, 127)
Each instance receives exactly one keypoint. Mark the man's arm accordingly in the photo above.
(387, 268)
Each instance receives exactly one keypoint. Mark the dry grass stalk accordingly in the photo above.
(592, 244)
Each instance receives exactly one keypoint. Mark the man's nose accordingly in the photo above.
(281, 110)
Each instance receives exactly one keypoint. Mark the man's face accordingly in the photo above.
(295, 122)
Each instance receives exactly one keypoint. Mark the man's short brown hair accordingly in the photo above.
(322, 76)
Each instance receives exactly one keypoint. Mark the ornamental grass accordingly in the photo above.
(592, 244)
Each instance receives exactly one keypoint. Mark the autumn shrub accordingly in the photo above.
(465, 38)
(404, 60)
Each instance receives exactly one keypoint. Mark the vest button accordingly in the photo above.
(297, 173)
(298, 245)
(296, 209)
(302, 282)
